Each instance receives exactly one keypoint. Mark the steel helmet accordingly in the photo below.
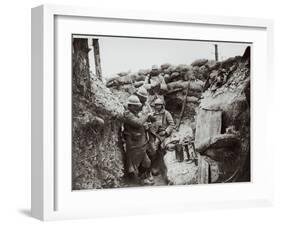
(134, 100)
(159, 101)
(142, 92)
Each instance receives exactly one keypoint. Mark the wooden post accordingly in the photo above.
(97, 58)
(216, 52)
(204, 176)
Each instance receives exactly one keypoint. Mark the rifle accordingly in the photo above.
(182, 109)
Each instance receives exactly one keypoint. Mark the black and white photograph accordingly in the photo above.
(159, 112)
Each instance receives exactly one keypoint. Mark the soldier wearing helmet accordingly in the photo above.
(142, 94)
(136, 139)
(155, 85)
(162, 128)
(146, 109)
(155, 79)
(164, 123)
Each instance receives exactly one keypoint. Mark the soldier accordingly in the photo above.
(142, 94)
(156, 78)
(136, 139)
(154, 93)
(161, 129)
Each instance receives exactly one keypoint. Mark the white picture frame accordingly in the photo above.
(47, 168)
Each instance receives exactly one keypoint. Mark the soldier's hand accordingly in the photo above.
(151, 118)
(162, 133)
(146, 126)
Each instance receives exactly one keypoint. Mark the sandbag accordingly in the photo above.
(138, 77)
(218, 142)
(189, 75)
(174, 75)
(178, 84)
(122, 74)
(228, 62)
(165, 66)
(171, 77)
(194, 93)
(216, 66)
(213, 75)
(172, 69)
(211, 63)
(199, 62)
(138, 84)
(182, 67)
(225, 141)
(166, 78)
(112, 81)
(143, 72)
(196, 85)
(192, 99)
(133, 76)
(166, 71)
(117, 81)
(204, 71)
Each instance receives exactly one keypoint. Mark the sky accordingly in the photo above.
(119, 54)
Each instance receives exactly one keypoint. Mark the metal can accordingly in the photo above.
(179, 153)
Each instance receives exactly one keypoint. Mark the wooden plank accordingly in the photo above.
(97, 58)
(208, 124)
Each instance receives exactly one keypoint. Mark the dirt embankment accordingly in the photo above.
(96, 148)
(231, 96)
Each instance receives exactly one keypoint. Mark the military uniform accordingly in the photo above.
(152, 98)
(136, 141)
(158, 79)
(154, 79)
(164, 123)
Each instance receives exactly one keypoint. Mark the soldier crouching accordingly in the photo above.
(136, 140)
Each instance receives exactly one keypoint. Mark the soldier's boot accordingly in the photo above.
(150, 177)
(133, 177)
(155, 171)
(148, 180)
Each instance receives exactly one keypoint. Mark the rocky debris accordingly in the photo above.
(185, 172)
(97, 155)
(180, 173)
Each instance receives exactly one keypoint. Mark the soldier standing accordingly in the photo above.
(142, 94)
(136, 139)
(155, 84)
(156, 77)
(162, 129)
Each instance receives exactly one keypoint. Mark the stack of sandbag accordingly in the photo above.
(200, 75)
(198, 70)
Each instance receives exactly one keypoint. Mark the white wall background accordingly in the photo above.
(15, 112)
